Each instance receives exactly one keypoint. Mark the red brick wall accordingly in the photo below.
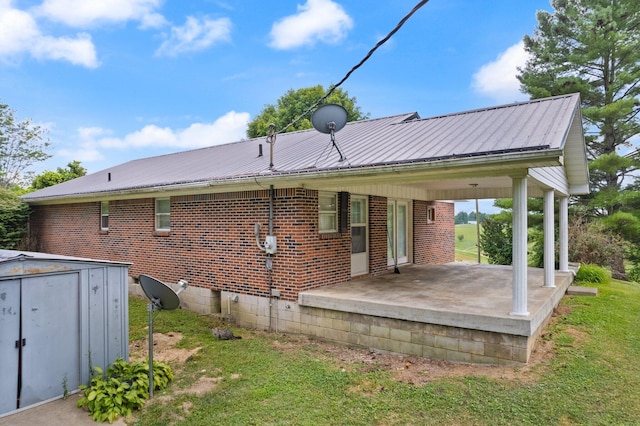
(433, 243)
(377, 235)
(211, 243)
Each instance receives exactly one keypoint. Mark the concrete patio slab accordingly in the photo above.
(469, 296)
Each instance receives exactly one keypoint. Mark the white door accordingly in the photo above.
(359, 235)
(398, 232)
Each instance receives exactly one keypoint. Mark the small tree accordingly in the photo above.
(496, 241)
(49, 178)
(21, 145)
(14, 215)
(294, 103)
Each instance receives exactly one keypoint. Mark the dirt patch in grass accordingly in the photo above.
(404, 368)
(164, 349)
(419, 371)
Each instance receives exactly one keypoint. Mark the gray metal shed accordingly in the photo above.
(59, 317)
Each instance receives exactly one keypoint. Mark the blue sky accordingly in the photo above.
(115, 80)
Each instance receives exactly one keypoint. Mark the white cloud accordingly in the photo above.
(152, 20)
(84, 154)
(19, 33)
(195, 35)
(78, 51)
(83, 13)
(498, 80)
(316, 20)
(17, 30)
(230, 127)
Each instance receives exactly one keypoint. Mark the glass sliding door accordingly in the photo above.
(359, 235)
(398, 232)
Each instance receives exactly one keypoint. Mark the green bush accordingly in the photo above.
(123, 389)
(14, 214)
(592, 274)
(496, 241)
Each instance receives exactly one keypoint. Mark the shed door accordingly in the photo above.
(9, 335)
(51, 329)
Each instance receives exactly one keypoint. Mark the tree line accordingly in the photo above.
(462, 218)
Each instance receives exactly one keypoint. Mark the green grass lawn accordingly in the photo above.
(271, 379)
(466, 248)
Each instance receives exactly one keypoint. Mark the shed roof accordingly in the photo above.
(19, 255)
(521, 135)
(16, 263)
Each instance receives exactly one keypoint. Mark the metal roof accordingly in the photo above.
(527, 130)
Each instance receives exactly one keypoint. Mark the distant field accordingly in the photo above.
(466, 249)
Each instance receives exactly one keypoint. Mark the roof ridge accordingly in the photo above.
(496, 107)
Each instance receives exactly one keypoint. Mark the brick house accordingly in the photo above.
(204, 215)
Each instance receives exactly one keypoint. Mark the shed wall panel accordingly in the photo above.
(9, 334)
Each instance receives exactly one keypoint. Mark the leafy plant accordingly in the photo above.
(592, 243)
(496, 241)
(123, 389)
(592, 274)
(14, 215)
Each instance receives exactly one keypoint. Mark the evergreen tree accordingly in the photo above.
(593, 47)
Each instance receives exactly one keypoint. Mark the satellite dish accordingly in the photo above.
(161, 297)
(329, 119)
(160, 294)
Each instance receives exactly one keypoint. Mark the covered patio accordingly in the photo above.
(458, 312)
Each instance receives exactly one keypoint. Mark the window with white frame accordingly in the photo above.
(163, 214)
(104, 215)
(327, 212)
(431, 214)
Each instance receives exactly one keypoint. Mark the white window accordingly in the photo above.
(104, 215)
(328, 212)
(163, 215)
(431, 214)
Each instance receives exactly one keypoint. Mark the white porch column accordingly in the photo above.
(563, 235)
(519, 289)
(549, 240)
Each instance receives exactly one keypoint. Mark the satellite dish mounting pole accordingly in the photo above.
(150, 308)
(271, 140)
(332, 129)
(161, 297)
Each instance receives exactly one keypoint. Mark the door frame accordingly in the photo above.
(392, 235)
(360, 260)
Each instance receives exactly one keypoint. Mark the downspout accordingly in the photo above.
(270, 256)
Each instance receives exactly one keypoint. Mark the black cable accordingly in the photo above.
(359, 64)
